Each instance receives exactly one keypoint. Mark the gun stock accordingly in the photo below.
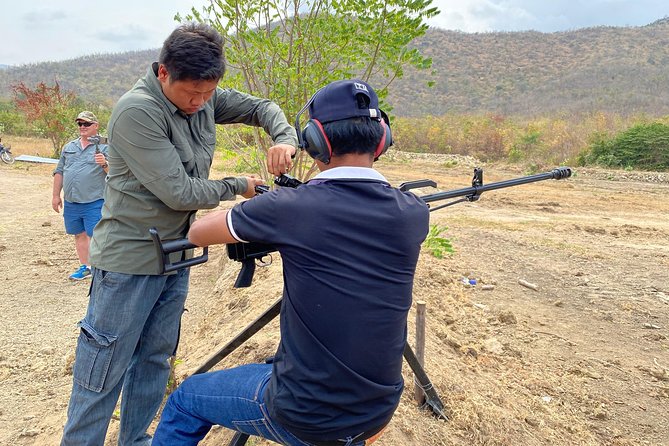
(165, 248)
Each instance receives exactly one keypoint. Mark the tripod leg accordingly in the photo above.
(431, 397)
(238, 340)
(239, 439)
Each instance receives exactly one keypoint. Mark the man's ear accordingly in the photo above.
(163, 75)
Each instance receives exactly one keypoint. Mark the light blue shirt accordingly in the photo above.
(83, 178)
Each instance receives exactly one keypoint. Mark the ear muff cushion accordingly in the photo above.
(317, 144)
(386, 140)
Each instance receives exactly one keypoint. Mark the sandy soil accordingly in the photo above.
(581, 360)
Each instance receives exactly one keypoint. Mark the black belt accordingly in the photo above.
(363, 436)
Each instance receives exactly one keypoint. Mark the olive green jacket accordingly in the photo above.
(159, 161)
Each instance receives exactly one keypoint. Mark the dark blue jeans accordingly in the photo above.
(231, 398)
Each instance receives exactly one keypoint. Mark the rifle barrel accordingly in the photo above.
(555, 174)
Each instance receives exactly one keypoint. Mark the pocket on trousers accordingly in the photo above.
(93, 357)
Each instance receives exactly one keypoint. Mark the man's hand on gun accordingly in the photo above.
(252, 182)
(280, 158)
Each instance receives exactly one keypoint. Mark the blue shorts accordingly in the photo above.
(80, 217)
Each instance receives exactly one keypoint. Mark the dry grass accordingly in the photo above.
(575, 363)
(493, 392)
(22, 145)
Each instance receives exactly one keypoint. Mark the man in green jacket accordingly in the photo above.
(161, 144)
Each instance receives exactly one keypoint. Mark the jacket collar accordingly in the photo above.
(153, 84)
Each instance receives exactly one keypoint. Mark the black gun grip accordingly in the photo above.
(245, 276)
(247, 254)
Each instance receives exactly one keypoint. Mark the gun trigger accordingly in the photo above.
(263, 262)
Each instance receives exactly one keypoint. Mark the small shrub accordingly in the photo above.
(437, 245)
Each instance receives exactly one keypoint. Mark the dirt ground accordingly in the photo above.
(581, 360)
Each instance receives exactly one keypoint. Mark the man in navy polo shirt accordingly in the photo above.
(349, 244)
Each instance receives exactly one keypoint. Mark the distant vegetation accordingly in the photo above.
(576, 139)
(602, 69)
(100, 77)
(527, 97)
(644, 146)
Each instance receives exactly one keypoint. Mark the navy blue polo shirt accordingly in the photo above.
(349, 244)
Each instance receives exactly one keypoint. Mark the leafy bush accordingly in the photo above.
(437, 245)
(527, 143)
(13, 123)
(643, 146)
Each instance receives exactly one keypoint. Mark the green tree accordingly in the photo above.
(285, 50)
(50, 111)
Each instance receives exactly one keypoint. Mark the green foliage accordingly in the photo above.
(527, 142)
(287, 51)
(11, 120)
(643, 146)
(239, 143)
(172, 381)
(49, 110)
(436, 244)
(449, 164)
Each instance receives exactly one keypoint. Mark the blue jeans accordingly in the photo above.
(232, 398)
(130, 330)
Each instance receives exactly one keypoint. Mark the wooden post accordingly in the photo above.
(419, 394)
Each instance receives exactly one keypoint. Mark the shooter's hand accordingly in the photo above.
(251, 183)
(279, 158)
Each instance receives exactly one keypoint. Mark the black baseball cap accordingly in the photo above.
(339, 100)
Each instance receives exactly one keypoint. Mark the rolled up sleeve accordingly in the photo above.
(232, 106)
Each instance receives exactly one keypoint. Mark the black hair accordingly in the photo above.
(356, 135)
(194, 51)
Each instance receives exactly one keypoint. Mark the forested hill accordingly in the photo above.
(624, 70)
(100, 77)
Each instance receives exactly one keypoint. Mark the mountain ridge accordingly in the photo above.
(604, 68)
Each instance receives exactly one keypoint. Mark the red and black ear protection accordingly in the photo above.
(314, 140)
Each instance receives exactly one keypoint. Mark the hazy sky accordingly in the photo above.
(52, 30)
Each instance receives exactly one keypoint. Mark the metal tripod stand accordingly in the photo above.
(431, 397)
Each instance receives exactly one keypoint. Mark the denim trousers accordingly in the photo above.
(130, 330)
(231, 398)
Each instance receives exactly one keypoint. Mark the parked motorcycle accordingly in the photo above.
(6, 154)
